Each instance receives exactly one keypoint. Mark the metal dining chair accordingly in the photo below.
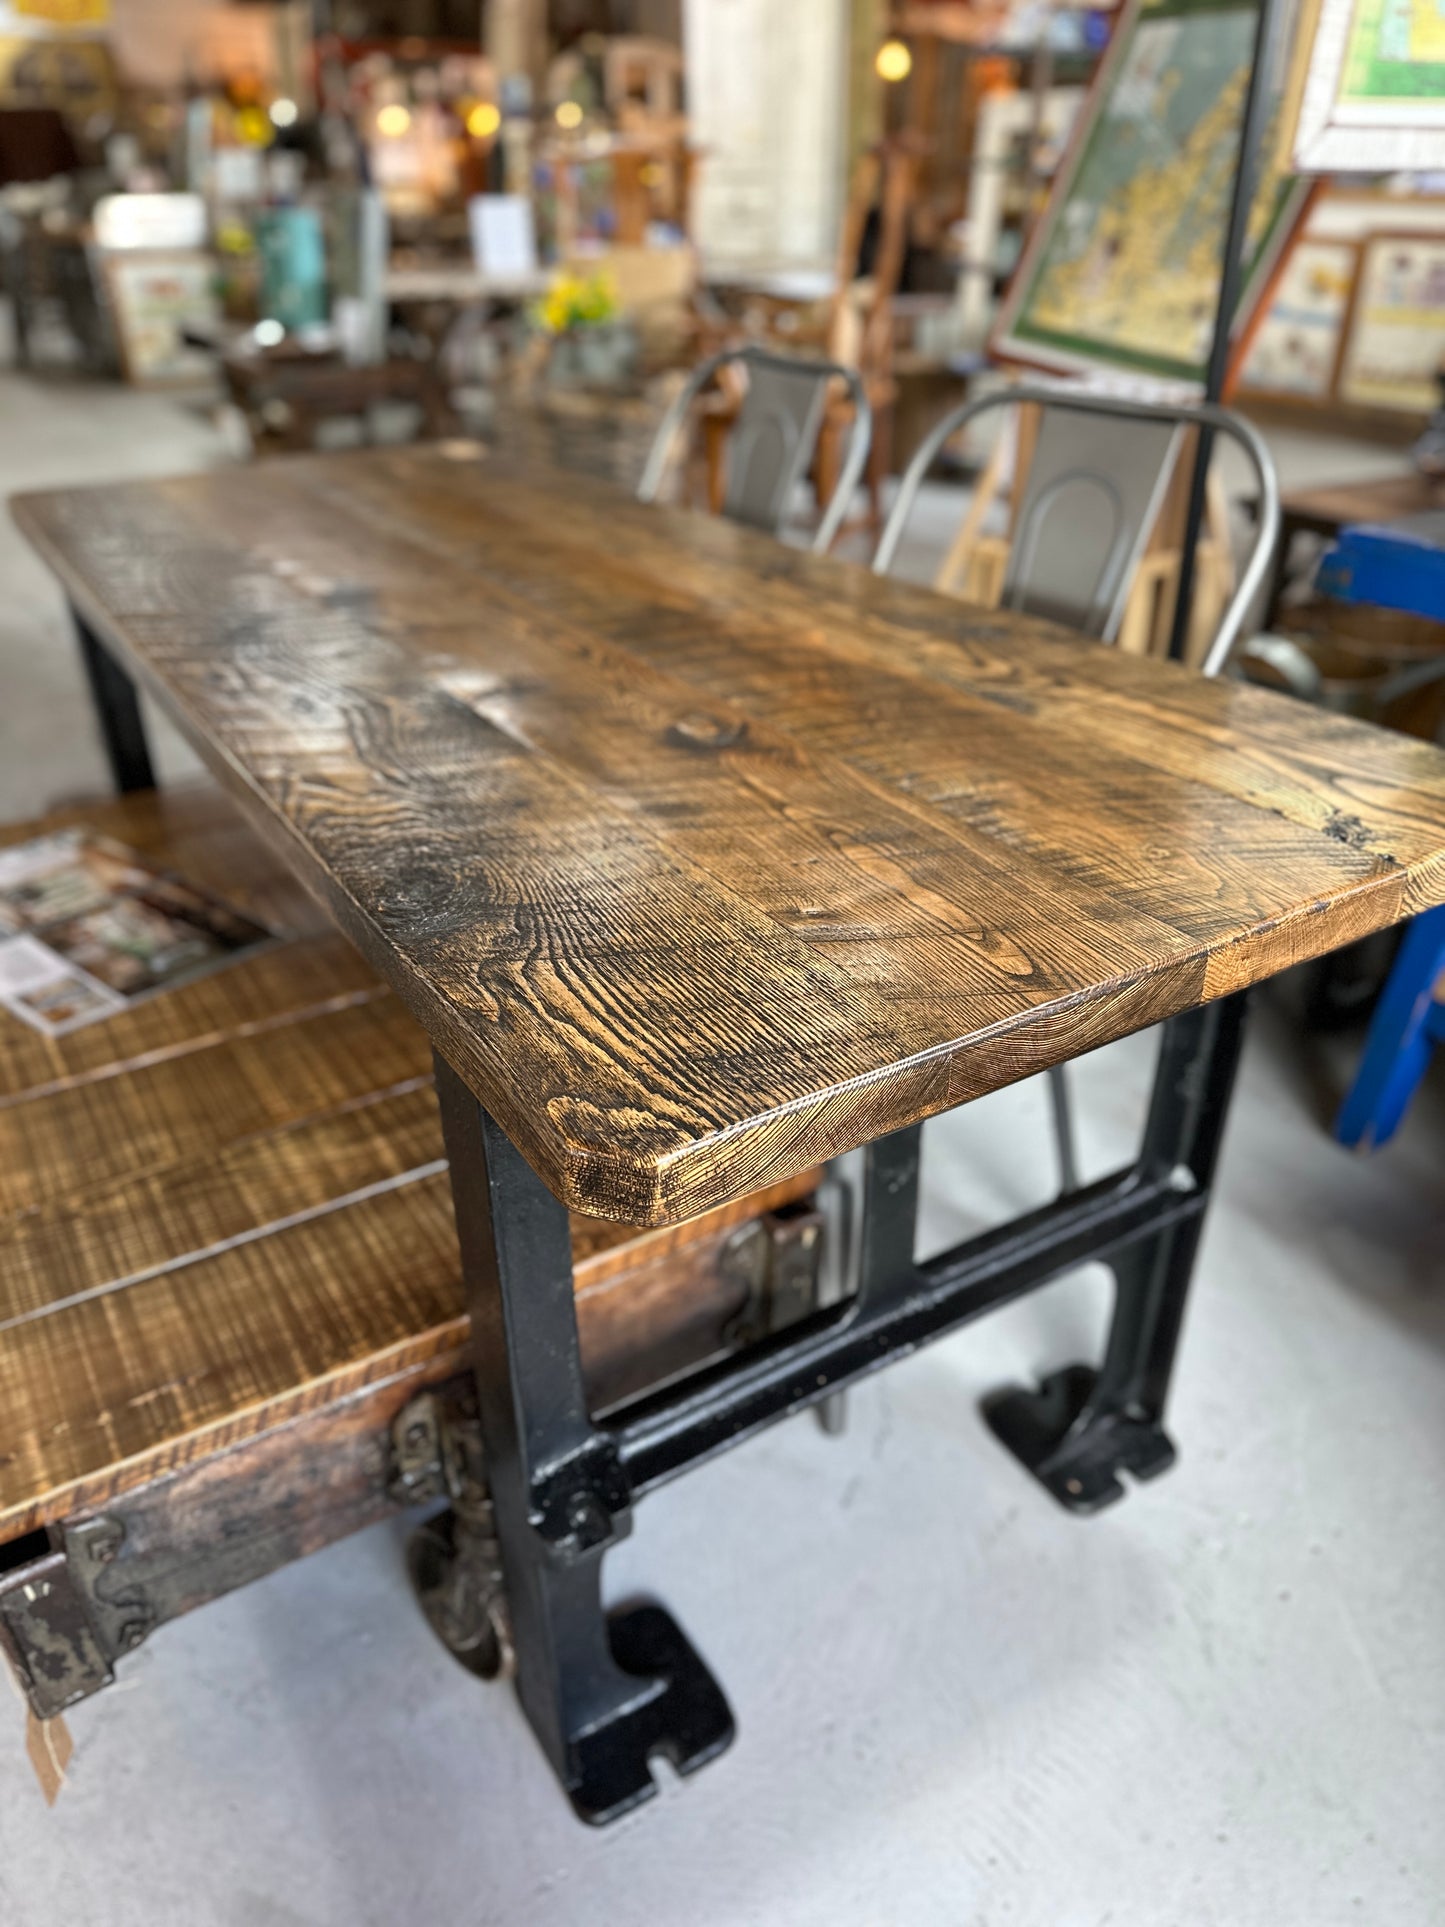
(1097, 477)
(774, 439)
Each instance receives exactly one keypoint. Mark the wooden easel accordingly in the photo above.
(857, 332)
(860, 321)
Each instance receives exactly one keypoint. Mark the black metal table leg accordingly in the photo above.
(1081, 1428)
(117, 709)
(603, 1693)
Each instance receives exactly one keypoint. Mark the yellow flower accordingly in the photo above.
(574, 301)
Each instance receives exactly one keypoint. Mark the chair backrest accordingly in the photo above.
(1091, 496)
(774, 438)
(1098, 476)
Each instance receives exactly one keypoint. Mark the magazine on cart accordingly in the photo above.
(88, 927)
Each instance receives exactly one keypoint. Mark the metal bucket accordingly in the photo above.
(1381, 665)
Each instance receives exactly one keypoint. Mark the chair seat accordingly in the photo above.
(228, 1206)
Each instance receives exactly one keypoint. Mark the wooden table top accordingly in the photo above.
(1388, 499)
(703, 859)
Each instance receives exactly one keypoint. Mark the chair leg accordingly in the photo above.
(827, 461)
(880, 462)
(1062, 1103)
(1401, 1038)
(715, 431)
(833, 1414)
(837, 1277)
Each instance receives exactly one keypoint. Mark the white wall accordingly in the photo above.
(766, 88)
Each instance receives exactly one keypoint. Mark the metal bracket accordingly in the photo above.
(61, 1627)
(46, 1633)
(777, 1260)
(454, 1559)
(122, 1613)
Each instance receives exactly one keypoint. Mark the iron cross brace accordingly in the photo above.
(605, 1693)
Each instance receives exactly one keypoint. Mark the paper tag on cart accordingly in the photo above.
(41, 988)
(88, 927)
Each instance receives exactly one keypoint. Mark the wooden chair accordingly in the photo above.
(853, 329)
(231, 1316)
(1099, 469)
(641, 69)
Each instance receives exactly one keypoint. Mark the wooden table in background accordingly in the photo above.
(1325, 511)
(701, 861)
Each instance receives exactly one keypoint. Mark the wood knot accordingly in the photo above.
(698, 730)
(1345, 829)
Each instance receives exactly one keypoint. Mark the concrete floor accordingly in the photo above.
(1222, 1702)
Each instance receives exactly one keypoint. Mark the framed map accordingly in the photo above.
(1123, 269)
(1367, 92)
(1395, 337)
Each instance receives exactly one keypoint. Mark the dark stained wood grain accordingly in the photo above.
(704, 859)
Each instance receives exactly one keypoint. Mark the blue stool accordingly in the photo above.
(1406, 1026)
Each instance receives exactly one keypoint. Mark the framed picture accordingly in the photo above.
(1394, 342)
(1366, 93)
(1354, 214)
(153, 297)
(1122, 271)
(1294, 350)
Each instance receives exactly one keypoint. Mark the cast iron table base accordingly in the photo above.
(606, 1694)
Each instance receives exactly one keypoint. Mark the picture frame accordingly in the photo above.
(1293, 351)
(152, 297)
(1124, 211)
(1394, 338)
(1355, 213)
(1366, 89)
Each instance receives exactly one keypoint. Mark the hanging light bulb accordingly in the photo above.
(894, 61)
